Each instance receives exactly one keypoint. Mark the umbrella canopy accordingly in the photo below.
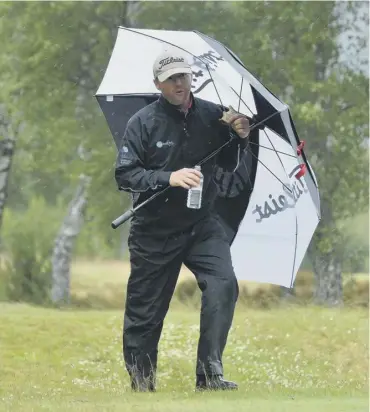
(270, 203)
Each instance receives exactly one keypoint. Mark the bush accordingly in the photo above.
(356, 292)
(304, 287)
(27, 244)
(188, 293)
(264, 296)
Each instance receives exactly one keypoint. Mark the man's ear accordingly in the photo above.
(156, 83)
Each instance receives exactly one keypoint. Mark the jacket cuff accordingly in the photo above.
(163, 178)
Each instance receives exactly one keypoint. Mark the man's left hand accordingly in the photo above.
(238, 121)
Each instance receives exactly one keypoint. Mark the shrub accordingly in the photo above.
(356, 292)
(188, 292)
(261, 296)
(304, 287)
(27, 245)
(109, 297)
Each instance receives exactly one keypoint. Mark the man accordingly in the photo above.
(162, 144)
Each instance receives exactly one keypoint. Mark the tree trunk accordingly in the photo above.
(64, 242)
(72, 225)
(328, 280)
(7, 145)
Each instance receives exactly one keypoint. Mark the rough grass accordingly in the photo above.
(102, 285)
(292, 359)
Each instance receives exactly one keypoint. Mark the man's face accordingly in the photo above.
(176, 89)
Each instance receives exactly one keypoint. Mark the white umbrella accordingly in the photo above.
(270, 204)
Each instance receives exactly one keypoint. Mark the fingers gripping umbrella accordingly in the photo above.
(269, 205)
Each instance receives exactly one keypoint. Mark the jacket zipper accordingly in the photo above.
(185, 141)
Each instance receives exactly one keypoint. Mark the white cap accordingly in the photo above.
(169, 63)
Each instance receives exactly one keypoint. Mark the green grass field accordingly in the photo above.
(293, 359)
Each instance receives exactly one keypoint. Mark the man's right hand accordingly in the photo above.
(185, 178)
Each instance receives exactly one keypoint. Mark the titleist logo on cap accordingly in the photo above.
(169, 60)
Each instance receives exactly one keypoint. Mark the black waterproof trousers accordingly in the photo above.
(155, 266)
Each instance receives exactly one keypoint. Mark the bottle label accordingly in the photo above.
(194, 199)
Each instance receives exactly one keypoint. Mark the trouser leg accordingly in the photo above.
(208, 257)
(155, 266)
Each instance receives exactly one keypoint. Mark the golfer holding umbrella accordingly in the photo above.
(161, 145)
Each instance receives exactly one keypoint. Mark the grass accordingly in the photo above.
(90, 275)
(207, 404)
(293, 359)
(102, 284)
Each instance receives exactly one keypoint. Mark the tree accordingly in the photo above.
(7, 146)
(72, 41)
(55, 63)
(293, 49)
(64, 244)
(329, 102)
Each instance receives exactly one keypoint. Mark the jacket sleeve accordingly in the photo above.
(130, 172)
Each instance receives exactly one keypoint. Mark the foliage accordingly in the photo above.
(54, 55)
(101, 284)
(57, 54)
(329, 102)
(91, 244)
(294, 51)
(27, 243)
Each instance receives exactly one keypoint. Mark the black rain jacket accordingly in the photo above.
(160, 139)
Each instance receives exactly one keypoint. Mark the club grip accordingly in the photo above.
(122, 219)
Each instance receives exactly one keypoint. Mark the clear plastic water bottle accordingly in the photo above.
(194, 200)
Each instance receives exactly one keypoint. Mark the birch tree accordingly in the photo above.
(65, 241)
(7, 147)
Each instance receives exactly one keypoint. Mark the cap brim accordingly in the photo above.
(177, 70)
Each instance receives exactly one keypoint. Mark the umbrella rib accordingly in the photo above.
(264, 119)
(277, 151)
(231, 138)
(254, 125)
(282, 164)
(288, 188)
(249, 178)
(240, 95)
(295, 250)
(209, 72)
(273, 148)
(278, 134)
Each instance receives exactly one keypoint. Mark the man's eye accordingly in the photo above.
(177, 76)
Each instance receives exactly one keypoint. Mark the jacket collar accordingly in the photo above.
(175, 111)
